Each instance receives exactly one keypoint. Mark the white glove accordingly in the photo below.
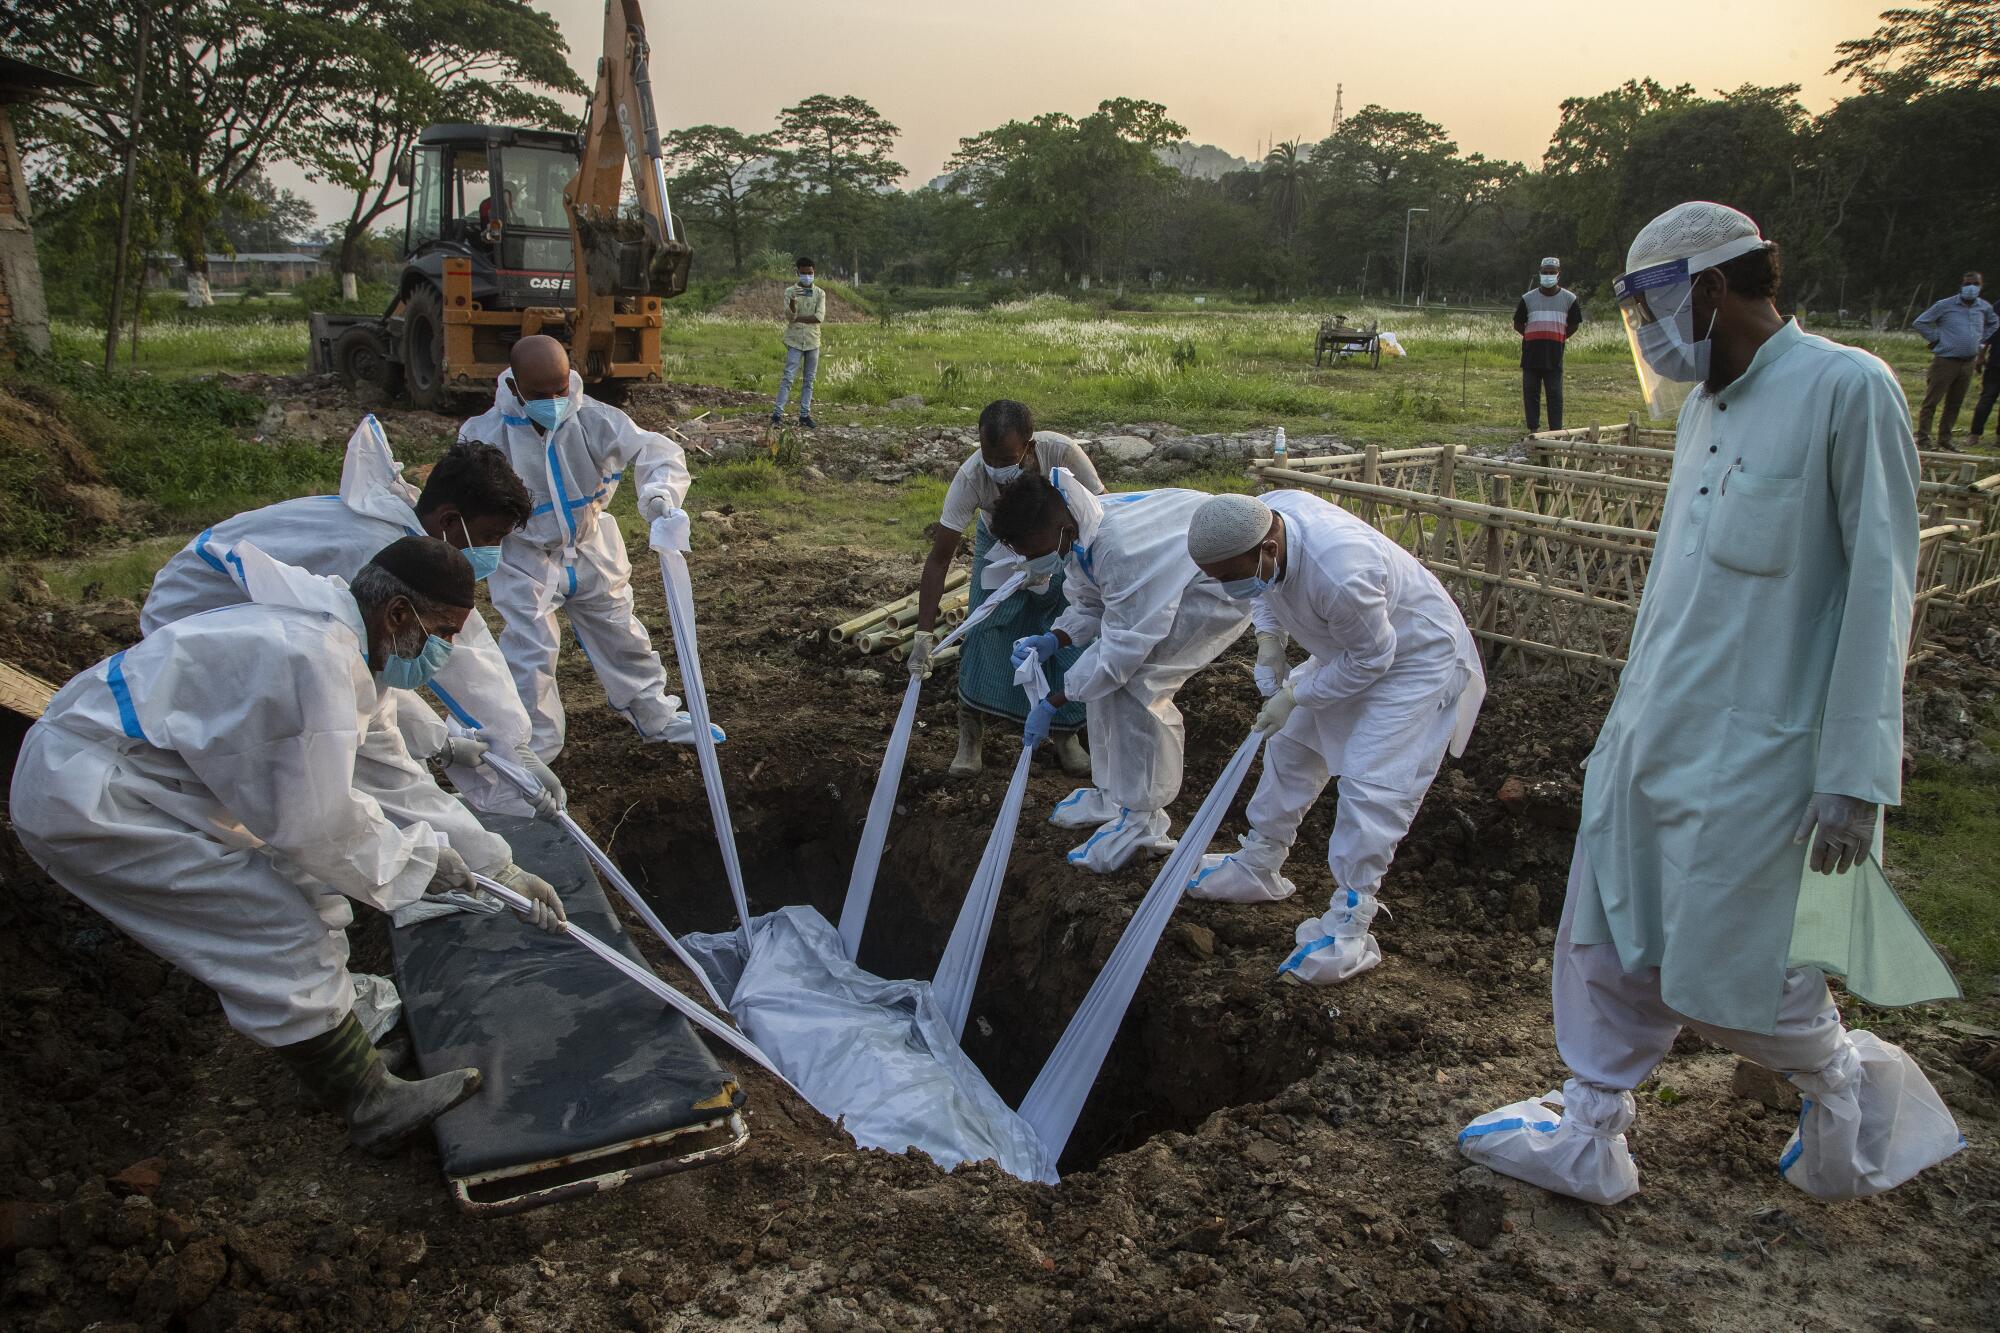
(922, 644)
(452, 874)
(1275, 710)
(459, 750)
(551, 800)
(1270, 662)
(655, 506)
(1846, 831)
(548, 913)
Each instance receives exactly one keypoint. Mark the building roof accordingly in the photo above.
(18, 75)
(262, 257)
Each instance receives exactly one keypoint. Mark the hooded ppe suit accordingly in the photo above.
(1393, 680)
(572, 555)
(334, 536)
(1766, 665)
(221, 790)
(1147, 619)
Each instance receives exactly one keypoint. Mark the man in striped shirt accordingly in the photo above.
(1545, 317)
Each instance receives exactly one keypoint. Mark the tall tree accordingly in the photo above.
(230, 86)
(1952, 44)
(838, 149)
(263, 217)
(419, 61)
(727, 179)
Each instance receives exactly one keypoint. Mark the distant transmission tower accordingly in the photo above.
(1336, 107)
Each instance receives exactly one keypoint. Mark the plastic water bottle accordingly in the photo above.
(1278, 449)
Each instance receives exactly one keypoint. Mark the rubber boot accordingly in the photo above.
(1075, 760)
(971, 743)
(347, 1075)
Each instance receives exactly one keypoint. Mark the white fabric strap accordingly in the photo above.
(669, 537)
(882, 805)
(526, 783)
(1056, 1100)
(660, 989)
(958, 970)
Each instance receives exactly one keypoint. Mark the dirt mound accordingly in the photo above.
(763, 300)
(52, 496)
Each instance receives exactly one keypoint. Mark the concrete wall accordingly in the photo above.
(24, 316)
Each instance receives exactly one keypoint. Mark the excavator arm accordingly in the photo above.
(618, 256)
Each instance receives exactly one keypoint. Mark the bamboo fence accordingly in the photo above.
(1547, 561)
(1959, 490)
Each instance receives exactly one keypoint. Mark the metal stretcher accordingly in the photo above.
(589, 1083)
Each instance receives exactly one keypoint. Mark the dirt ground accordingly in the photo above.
(1256, 1156)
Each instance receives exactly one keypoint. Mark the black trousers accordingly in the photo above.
(1989, 392)
(1533, 384)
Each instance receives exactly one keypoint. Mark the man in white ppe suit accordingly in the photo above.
(572, 451)
(1760, 710)
(1392, 682)
(1146, 619)
(221, 791)
(470, 501)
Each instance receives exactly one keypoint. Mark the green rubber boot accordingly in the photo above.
(971, 755)
(347, 1075)
(1075, 760)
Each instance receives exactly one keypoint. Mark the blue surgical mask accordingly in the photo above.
(483, 559)
(1968, 292)
(805, 279)
(548, 413)
(409, 673)
(1045, 566)
(1256, 585)
(1548, 280)
(1003, 475)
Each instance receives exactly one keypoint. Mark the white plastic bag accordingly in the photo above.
(1868, 1121)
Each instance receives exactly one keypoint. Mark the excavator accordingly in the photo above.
(499, 224)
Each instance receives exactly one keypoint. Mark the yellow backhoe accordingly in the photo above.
(500, 221)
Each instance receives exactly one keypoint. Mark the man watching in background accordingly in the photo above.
(1989, 386)
(1546, 315)
(1954, 327)
(805, 311)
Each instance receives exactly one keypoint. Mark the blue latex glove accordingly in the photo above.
(1039, 646)
(1036, 730)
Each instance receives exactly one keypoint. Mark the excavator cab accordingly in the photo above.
(492, 195)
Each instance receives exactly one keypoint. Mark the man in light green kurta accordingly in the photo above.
(1761, 706)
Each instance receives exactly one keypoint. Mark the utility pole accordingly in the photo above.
(1403, 287)
(125, 205)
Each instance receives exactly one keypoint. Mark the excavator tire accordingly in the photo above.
(361, 356)
(423, 348)
(615, 392)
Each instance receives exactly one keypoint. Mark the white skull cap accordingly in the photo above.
(1550, 261)
(1694, 228)
(1226, 526)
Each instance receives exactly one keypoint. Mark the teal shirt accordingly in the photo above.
(1766, 665)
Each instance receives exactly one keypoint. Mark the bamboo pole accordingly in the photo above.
(1468, 509)
(848, 629)
(1446, 483)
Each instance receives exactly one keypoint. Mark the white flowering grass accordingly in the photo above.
(272, 345)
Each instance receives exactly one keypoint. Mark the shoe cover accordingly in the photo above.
(1086, 807)
(1132, 834)
(680, 731)
(378, 1006)
(1579, 1151)
(1336, 946)
(1869, 1121)
(1248, 875)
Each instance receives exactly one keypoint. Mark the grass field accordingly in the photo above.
(1080, 368)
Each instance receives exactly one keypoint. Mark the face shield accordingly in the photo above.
(1656, 304)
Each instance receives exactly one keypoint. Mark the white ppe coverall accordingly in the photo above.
(334, 536)
(1766, 665)
(1147, 619)
(571, 555)
(220, 791)
(1392, 681)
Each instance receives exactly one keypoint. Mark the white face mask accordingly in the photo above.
(1549, 280)
(805, 279)
(1003, 475)
(1672, 350)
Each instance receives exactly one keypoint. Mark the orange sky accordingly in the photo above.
(1235, 73)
